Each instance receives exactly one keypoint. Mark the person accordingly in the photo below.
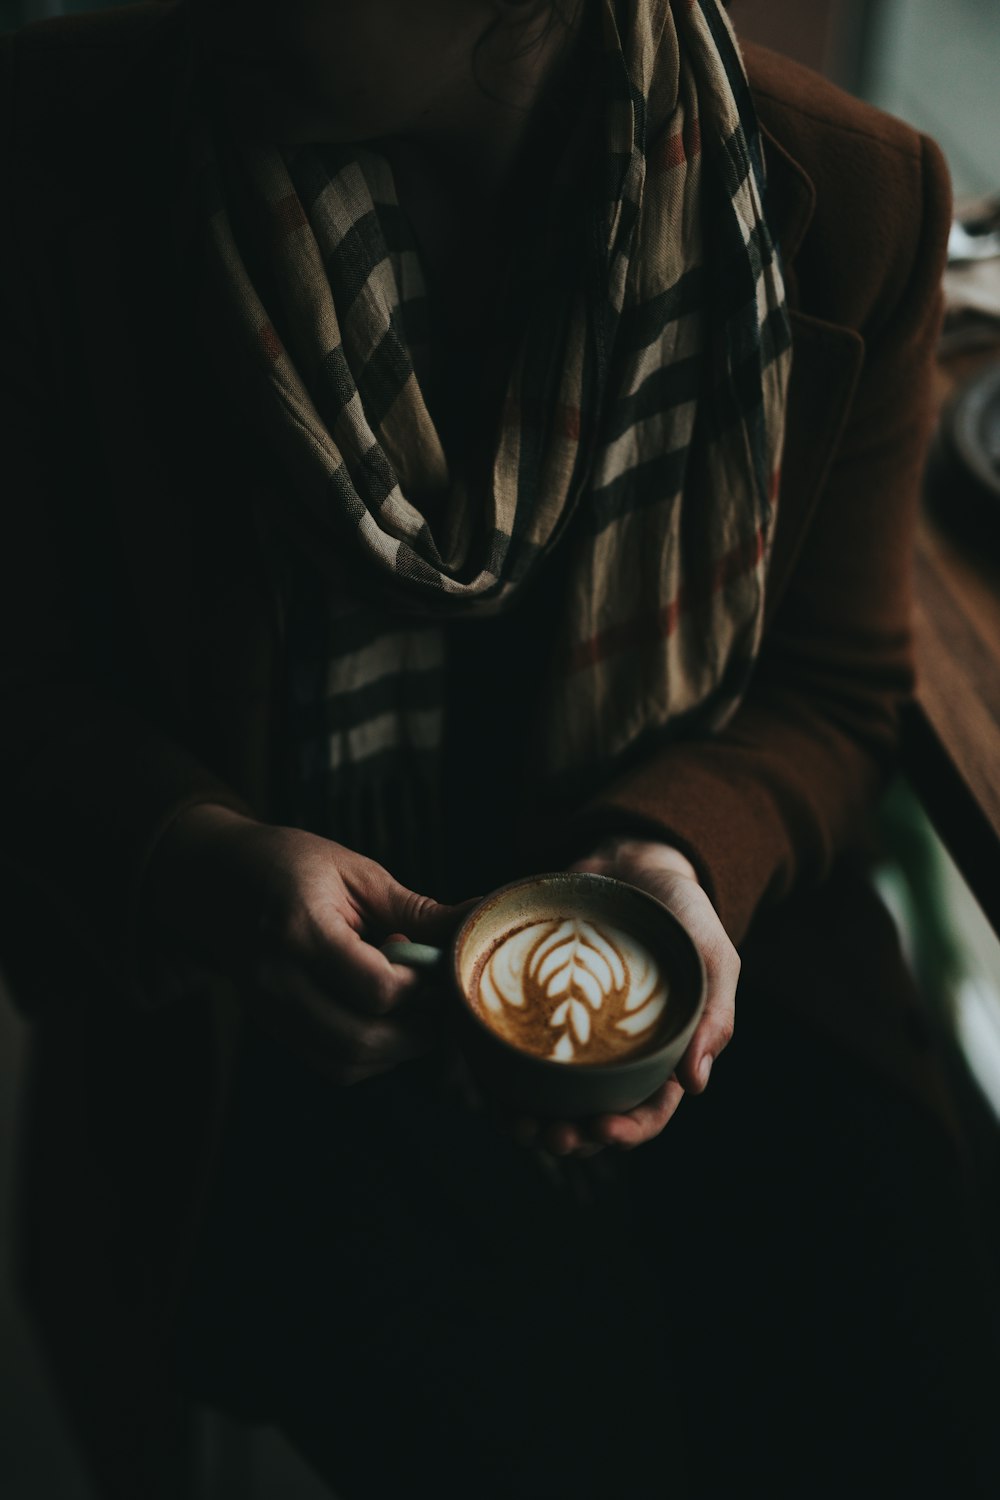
(447, 441)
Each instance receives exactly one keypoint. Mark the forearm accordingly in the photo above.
(757, 810)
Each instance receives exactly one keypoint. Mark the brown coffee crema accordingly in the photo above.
(571, 991)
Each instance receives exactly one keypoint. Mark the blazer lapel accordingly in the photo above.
(826, 363)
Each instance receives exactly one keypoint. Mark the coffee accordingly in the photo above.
(571, 990)
(572, 994)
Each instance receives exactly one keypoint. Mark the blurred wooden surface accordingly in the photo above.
(952, 741)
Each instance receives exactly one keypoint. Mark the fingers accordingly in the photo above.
(619, 856)
(713, 1035)
(559, 1137)
(352, 972)
(722, 970)
(340, 1043)
(350, 960)
(436, 922)
(564, 1138)
(387, 905)
(642, 1123)
(584, 1138)
(670, 876)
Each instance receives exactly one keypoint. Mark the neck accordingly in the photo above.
(480, 135)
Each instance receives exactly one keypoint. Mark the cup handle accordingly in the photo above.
(420, 956)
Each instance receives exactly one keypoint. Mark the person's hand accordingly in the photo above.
(296, 919)
(666, 874)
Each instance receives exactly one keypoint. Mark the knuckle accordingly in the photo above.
(415, 908)
(724, 1031)
(368, 1047)
(597, 859)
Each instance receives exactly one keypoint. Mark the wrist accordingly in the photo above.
(175, 872)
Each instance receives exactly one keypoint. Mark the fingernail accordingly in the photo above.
(705, 1069)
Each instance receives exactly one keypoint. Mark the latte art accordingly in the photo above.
(571, 991)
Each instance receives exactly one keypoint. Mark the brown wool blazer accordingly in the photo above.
(139, 646)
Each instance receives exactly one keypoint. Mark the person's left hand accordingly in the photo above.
(666, 874)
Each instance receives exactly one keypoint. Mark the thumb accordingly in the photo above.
(422, 918)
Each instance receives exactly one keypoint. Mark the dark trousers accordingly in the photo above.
(785, 1294)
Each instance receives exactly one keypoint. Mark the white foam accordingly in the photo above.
(589, 986)
(644, 979)
(560, 1015)
(488, 991)
(582, 967)
(507, 965)
(592, 962)
(561, 981)
(580, 1016)
(641, 1020)
(556, 951)
(612, 958)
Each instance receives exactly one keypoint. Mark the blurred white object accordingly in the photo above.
(977, 1022)
(975, 233)
(973, 288)
(972, 278)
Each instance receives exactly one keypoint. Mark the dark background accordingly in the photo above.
(933, 63)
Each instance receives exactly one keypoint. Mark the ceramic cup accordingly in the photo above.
(532, 1084)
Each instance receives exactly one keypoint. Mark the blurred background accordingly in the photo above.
(934, 65)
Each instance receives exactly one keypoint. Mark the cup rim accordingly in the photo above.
(616, 1069)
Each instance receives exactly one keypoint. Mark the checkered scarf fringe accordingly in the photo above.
(642, 428)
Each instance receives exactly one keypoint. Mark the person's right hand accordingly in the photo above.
(296, 921)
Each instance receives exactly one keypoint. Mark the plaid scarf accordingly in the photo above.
(642, 426)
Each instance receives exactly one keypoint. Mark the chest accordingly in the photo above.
(466, 363)
(467, 253)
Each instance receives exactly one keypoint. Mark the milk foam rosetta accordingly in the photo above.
(570, 990)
